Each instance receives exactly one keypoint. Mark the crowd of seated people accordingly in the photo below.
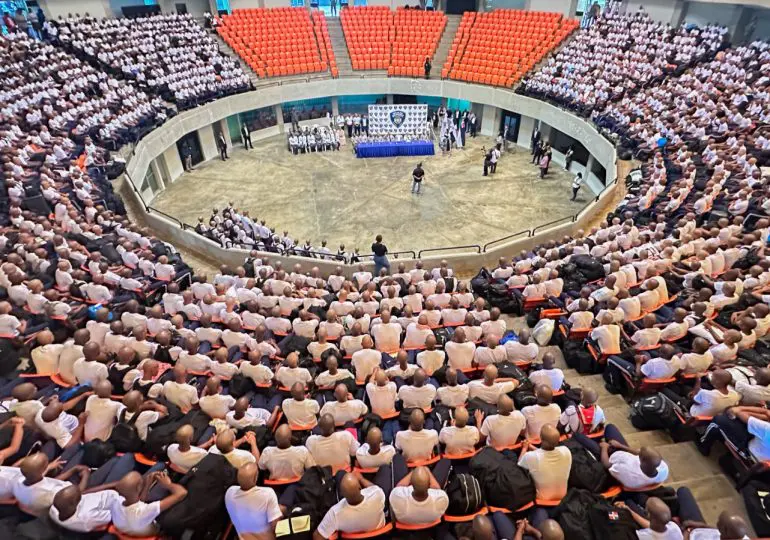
(392, 384)
(617, 56)
(169, 55)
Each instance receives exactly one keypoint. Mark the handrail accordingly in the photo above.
(138, 193)
(450, 248)
(394, 253)
(162, 213)
(554, 222)
(504, 238)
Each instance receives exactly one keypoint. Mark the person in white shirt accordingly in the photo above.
(419, 394)
(102, 413)
(634, 469)
(63, 428)
(431, 358)
(344, 410)
(419, 498)
(460, 353)
(522, 351)
(417, 443)
(548, 375)
(215, 404)
(490, 353)
(382, 394)
(716, 400)
(373, 454)
(756, 393)
(88, 370)
(361, 509)
(452, 394)
(489, 389)
(183, 454)
(133, 516)
(657, 525)
(299, 410)
(228, 446)
(502, 430)
(460, 438)
(332, 448)
(549, 465)
(253, 510)
(284, 461)
(34, 492)
(83, 512)
(387, 334)
(366, 360)
(290, 373)
(607, 336)
(179, 392)
(543, 413)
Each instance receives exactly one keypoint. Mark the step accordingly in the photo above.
(686, 463)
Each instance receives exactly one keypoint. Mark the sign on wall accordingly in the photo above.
(401, 119)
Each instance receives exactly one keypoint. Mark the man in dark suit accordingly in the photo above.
(222, 144)
(535, 141)
(246, 136)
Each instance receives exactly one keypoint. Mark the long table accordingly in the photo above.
(395, 148)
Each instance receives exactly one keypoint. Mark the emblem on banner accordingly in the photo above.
(397, 118)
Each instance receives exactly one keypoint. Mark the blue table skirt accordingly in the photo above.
(395, 148)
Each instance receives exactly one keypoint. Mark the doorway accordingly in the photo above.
(190, 144)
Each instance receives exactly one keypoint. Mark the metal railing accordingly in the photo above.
(571, 219)
(152, 209)
(450, 248)
(528, 232)
(395, 254)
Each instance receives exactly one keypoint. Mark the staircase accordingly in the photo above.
(337, 38)
(442, 51)
(713, 490)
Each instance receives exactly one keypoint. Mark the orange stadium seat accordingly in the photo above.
(399, 42)
(478, 55)
(279, 41)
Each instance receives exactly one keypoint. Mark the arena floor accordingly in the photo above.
(336, 197)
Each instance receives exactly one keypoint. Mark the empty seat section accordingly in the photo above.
(275, 41)
(324, 43)
(369, 32)
(417, 36)
(498, 48)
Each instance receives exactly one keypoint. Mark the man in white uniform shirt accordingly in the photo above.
(284, 461)
(503, 429)
(332, 448)
(344, 410)
(452, 394)
(362, 508)
(418, 394)
(549, 465)
(543, 413)
(102, 413)
(387, 334)
(489, 389)
(134, 516)
(549, 375)
(417, 443)
(366, 360)
(299, 410)
(253, 510)
(418, 499)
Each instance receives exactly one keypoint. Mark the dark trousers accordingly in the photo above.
(223, 153)
(575, 192)
(247, 142)
(731, 431)
(486, 167)
(611, 433)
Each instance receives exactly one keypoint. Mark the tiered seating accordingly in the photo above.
(274, 42)
(459, 42)
(482, 56)
(369, 33)
(324, 43)
(417, 35)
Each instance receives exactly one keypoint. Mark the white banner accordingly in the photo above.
(400, 119)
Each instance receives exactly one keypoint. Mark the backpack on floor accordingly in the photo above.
(652, 412)
(503, 483)
(316, 493)
(464, 494)
(125, 437)
(591, 267)
(586, 472)
(204, 506)
(573, 514)
(609, 521)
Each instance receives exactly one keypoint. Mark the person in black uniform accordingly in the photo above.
(222, 144)
(417, 176)
(428, 65)
(246, 136)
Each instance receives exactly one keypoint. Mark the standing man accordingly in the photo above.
(576, 183)
(535, 142)
(427, 66)
(417, 175)
(494, 158)
(487, 161)
(246, 136)
(187, 155)
(334, 8)
(568, 158)
(380, 251)
(473, 124)
(349, 124)
(538, 153)
(294, 119)
(222, 144)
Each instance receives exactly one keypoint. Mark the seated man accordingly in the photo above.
(460, 438)
(344, 410)
(607, 335)
(418, 498)
(502, 429)
(332, 448)
(586, 417)
(183, 454)
(489, 389)
(548, 375)
(417, 443)
(131, 513)
(549, 465)
(419, 394)
(299, 410)
(716, 400)
(361, 509)
(34, 491)
(63, 428)
(227, 445)
(284, 461)
(521, 351)
(543, 413)
(253, 510)
(452, 394)
(373, 454)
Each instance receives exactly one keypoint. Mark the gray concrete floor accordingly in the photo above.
(336, 197)
(688, 467)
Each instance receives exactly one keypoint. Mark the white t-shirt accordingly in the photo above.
(89, 372)
(430, 361)
(217, 405)
(368, 515)
(145, 420)
(347, 411)
(459, 440)
(452, 396)
(387, 337)
(137, 519)
(538, 416)
(38, 497)
(185, 460)
(416, 445)
(672, 532)
(549, 470)
(759, 446)
(382, 398)
(625, 468)
(553, 378)
(503, 430)
(93, 512)
(236, 457)
(417, 397)
(252, 511)
(383, 457)
(407, 509)
(489, 394)
(183, 396)
(285, 463)
(460, 355)
(364, 362)
(59, 429)
(713, 402)
(334, 450)
(300, 413)
(102, 413)
(8, 478)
